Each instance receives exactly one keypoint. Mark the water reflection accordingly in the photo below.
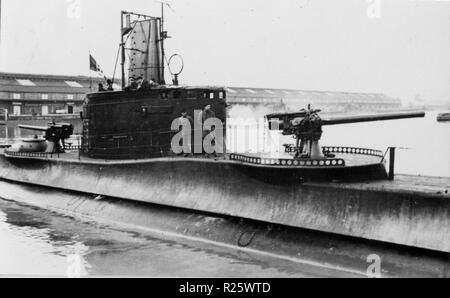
(31, 247)
(37, 242)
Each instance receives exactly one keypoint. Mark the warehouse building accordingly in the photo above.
(328, 101)
(23, 95)
(29, 95)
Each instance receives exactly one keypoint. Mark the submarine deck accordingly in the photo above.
(404, 184)
(352, 160)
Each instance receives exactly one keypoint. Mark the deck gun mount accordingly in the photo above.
(306, 127)
(55, 135)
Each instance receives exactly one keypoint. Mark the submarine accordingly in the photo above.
(127, 152)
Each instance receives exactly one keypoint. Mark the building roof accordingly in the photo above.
(309, 95)
(35, 83)
(43, 83)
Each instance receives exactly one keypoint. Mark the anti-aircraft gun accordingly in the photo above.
(307, 127)
(55, 135)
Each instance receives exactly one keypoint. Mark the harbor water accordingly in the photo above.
(36, 242)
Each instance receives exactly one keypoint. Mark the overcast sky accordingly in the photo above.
(397, 47)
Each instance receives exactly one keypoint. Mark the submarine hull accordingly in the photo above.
(374, 210)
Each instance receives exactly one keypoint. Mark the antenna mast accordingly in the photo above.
(163, 35)
(0, 22)
(122, 44)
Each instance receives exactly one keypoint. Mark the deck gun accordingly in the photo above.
(55, 135)
(306, 127)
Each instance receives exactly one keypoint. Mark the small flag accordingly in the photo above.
(92, 63)
(94, 66)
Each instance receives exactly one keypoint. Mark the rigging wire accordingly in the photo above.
(115, 66)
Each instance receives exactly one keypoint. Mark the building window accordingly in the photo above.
(211, 95)
(221, 95)
(44, 96)
(17, 110)
(70, 96)
(16, 96)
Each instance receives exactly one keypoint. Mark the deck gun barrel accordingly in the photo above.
(306, 126)
(284, 120)
(372, 118)
(34, 128)
(55, 133)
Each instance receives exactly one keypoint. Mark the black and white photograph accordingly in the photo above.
(225, 146)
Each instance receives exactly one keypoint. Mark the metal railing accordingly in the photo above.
(72, 147)
(329, 162)
(46, 155)
(290, 148)
(30, 154)
(352, 150)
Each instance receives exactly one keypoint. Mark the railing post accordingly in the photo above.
(391, 163)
